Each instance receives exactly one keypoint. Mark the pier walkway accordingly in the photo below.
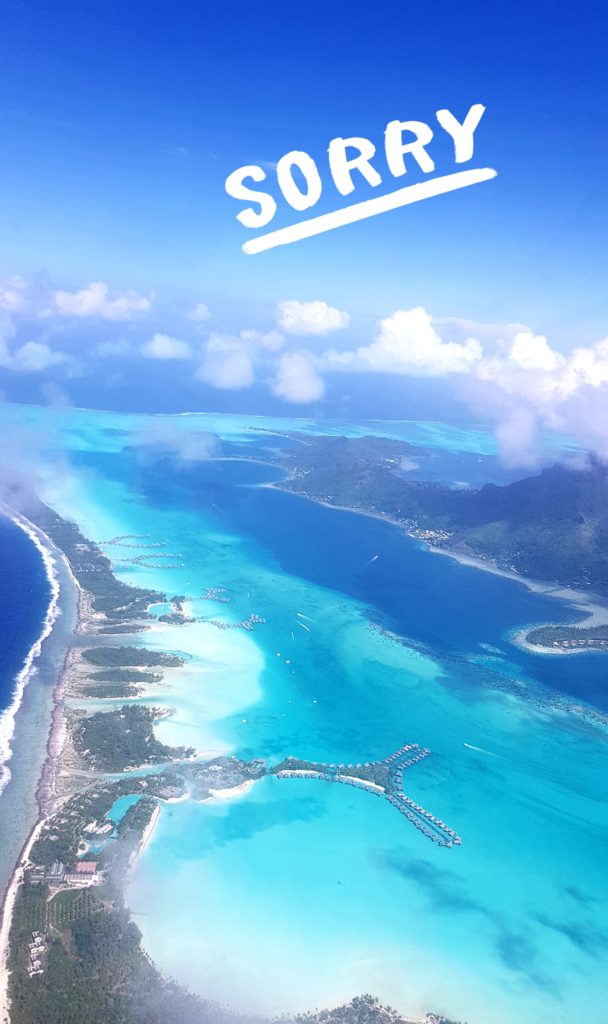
(382, 779)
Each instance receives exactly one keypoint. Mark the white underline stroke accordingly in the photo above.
(369, 208)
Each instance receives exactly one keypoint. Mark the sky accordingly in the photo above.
(119, 124)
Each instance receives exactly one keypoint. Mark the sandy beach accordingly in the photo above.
(234, 791)
(364, 783)
(588, 604)
(149, 829)
(8, 906)
(596, 614)
(45, 789)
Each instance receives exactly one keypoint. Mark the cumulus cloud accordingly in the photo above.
(310, 317)
(297, 378)
(94, 301)
(13, 296)
(532, 352)
(230, 360)
(162, 346)
(507, 373)
(199, 313)
(226, 365)
(35, 356)
(32, 357)
(407, 343)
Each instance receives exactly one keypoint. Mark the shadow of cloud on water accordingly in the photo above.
(245, 819)
(581, 934)
(446, 892)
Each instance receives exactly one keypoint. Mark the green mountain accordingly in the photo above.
(553, 526)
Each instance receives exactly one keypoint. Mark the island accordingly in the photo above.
(69, 949)
(551, 527)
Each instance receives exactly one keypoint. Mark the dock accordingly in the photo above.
(383, 779)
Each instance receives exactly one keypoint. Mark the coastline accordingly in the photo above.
(56, 728)
(8, 906)
(589, 604)
(230, 794)
(8, 715)
(148, 832)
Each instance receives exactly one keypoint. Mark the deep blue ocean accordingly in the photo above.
(24, 600)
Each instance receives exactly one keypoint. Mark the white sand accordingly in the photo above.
(235, 791)
(363, 782)
(7, 916)
(149, 829)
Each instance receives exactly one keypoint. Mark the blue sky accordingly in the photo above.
(101, 101)
(120, 122)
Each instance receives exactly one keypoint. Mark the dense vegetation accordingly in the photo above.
(113, 741)
(357, 472)
(116, 600)
(125, 675)
(118, 682)
(575, 636)
(130, 657)
(62, 834)
(95, 972)
(94, 968)
(364, 1009)
(553, 526)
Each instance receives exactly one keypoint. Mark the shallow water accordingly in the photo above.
(303, 893)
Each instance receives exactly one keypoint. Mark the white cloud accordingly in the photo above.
(13, 294)
(33, 357)
(200, 313)
(515, 378)
(270, 340)
(162, 346)
(226, 367)
(93, 301)
(532, 352)
(160, 435)
(533, 388)
(7, 331)
(407, 343)
(230, 360)
(297, 378)
(456, 328)
(310, 317)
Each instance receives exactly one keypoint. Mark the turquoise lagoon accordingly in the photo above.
(301, 894)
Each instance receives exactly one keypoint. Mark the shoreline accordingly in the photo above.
(147, 834)
(54, 737)
(56, 729)
(8, 715)
(8, 906)
(231, 793)
(587, 603)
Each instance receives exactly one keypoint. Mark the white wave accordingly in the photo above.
(7, 717)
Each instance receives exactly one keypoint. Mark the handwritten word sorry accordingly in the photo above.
(301, 185)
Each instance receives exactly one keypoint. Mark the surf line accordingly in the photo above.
(301, 186)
